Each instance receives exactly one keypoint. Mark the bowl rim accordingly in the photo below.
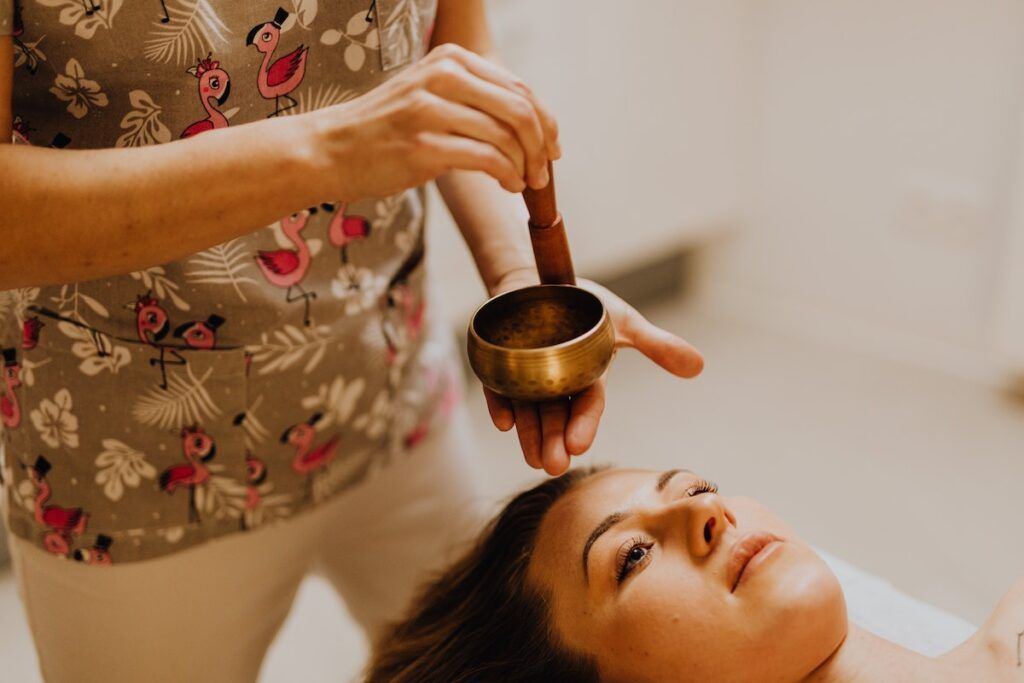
(476, 337)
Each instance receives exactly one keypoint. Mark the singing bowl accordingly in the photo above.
(540, 343)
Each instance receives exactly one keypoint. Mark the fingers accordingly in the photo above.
(472, 123)
(529, 431)
(466, 78)
(585, 415)
(455, 151)
(553, 418)
(489, 71)
(666, 349)
(500, 411)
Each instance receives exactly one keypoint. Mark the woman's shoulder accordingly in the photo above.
(1000, 640)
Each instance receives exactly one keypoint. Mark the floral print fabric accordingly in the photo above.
(148, 412)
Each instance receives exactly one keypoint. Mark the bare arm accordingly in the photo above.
(494, 225)
(492, 222)
(70, 215)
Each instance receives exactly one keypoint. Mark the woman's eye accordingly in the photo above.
(702, 486)
(635, 554)
(214, 83)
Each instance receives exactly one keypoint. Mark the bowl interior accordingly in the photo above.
(538, 317)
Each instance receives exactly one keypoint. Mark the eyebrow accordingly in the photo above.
(616, 517)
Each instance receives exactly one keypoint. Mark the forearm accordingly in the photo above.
(493, 223)
(70, 215)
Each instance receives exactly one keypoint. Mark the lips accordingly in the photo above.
(743, 552)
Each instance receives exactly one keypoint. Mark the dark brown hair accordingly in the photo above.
(480, 621)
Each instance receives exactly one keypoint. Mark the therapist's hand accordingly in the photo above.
(552, 431)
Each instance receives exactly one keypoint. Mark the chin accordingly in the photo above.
(802, 608)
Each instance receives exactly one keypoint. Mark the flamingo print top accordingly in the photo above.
(148, 412)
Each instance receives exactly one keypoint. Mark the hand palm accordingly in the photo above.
(552, 431)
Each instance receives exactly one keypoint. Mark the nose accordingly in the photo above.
(703, 519)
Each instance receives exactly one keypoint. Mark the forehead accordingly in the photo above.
(566, 526)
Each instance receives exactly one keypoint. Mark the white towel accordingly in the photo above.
(876, 605)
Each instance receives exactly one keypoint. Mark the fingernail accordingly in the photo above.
(544, 177)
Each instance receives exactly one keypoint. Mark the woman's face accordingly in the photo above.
(659, 578)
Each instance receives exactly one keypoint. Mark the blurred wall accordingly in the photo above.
(650, 101)
(880, 175)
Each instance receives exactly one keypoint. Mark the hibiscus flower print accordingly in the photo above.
(82, 94)
(360, 288)
(55, 422)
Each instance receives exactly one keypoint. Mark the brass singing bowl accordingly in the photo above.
(540, 343)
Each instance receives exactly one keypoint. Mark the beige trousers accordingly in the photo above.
(209, 613)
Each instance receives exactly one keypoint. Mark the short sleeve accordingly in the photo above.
(6, 17)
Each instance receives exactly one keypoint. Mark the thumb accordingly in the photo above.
(664, 348)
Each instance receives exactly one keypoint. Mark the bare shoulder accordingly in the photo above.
(1002, 635)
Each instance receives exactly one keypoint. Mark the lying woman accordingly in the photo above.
(632, 575)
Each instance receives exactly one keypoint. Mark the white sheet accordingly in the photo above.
(877, 606)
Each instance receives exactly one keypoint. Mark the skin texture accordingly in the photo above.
(675, 617)
(456, 117)
(551, 432)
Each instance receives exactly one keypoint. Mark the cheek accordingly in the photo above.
(672, 619)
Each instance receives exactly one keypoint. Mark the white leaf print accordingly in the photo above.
(15, 301)
(28, 367)
(193, 31)
(305, 11)
(254, 431)
(224, 264)
(87, 346)
(331, 36)
(220, 496)
(98, 308)
(336, 401)
(120, 466)
(357, 25)
(318, 97)
(29, 54)
(172, 534)
(143, 122)
(155, 279)
(355, 57)
(56, 424)
(185, 401)
(290, 346)
(94, 364)
(73, 13)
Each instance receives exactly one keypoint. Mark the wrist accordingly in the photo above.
(322, 147)
(514, 278)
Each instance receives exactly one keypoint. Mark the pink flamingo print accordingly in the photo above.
(343, 230)
(98, 555)
(307, 459)
(214, 86)
(200, 334)
(287, 267)
(30, 333)
(152, 324)
(277, 80)
(10, 408)
(199, 449)
(62, 522)
(255, 475)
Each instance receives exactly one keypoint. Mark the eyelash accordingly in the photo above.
(622, 567)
